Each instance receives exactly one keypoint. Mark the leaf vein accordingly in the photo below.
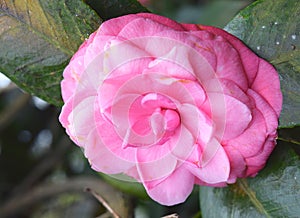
(245, 187)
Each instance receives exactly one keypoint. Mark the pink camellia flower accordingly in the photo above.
(170, 105)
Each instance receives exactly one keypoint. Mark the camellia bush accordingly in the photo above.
(167, 107)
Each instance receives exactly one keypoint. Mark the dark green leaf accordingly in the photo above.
(272, 30)
(275, 192)
(37, 40)
(126, 185)
(114, 8)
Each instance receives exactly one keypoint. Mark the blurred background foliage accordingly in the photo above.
(208, 12)
(43, 174)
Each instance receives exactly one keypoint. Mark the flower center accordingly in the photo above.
(164, 120)
(153, 113)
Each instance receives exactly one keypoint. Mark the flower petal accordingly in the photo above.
(181, 143)
(172, 190)
(101, 158)
(215, 167)
(197, 123)
(251, 141)
(78, 120)
(258, 161)
(157, 168)
(249, 59)
(237, 164)
(271, 118)
(267, 84)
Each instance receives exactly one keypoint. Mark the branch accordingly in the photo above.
(9, 113)
(103, 202)
(116, 199)
(289, 140)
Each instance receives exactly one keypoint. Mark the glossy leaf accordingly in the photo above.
(275, 192)
(272, 30)
(114, 8)
(126, 185)
(37, 40)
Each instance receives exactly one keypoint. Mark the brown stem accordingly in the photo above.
(9, 113)
(44, 191)
(103, 202)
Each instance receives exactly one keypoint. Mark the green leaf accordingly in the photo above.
(38, 37)
(126, 185)
(275, 192)
(272, 30)
(107, 9)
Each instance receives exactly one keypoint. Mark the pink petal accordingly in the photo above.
(181, 143)
(175, 64)
(214, 166)
(157, 168)
(97, 48)
(162, 20)
(271, 118)
(155, 100)
(262, 77)
(171, 120)
(168, 64)
(199, 44)
(123, 56)
(71, 74)
(172, 190)
(267, 84)
(68, 84)
(249, 59)
(215, 49)
(238, 116)
(237, 164)
(140, 27)
(101, 158)
(157, 83)
(117, 79)
(110, 138)
(251, 141)
(229, 67)
(79, 119)
(113, 26)
(197, 123)
(121, 119)
(65, 112)
(258, 161)
(230, 88)
(75, 69)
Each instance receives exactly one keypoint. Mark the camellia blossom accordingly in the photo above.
(170, 105)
